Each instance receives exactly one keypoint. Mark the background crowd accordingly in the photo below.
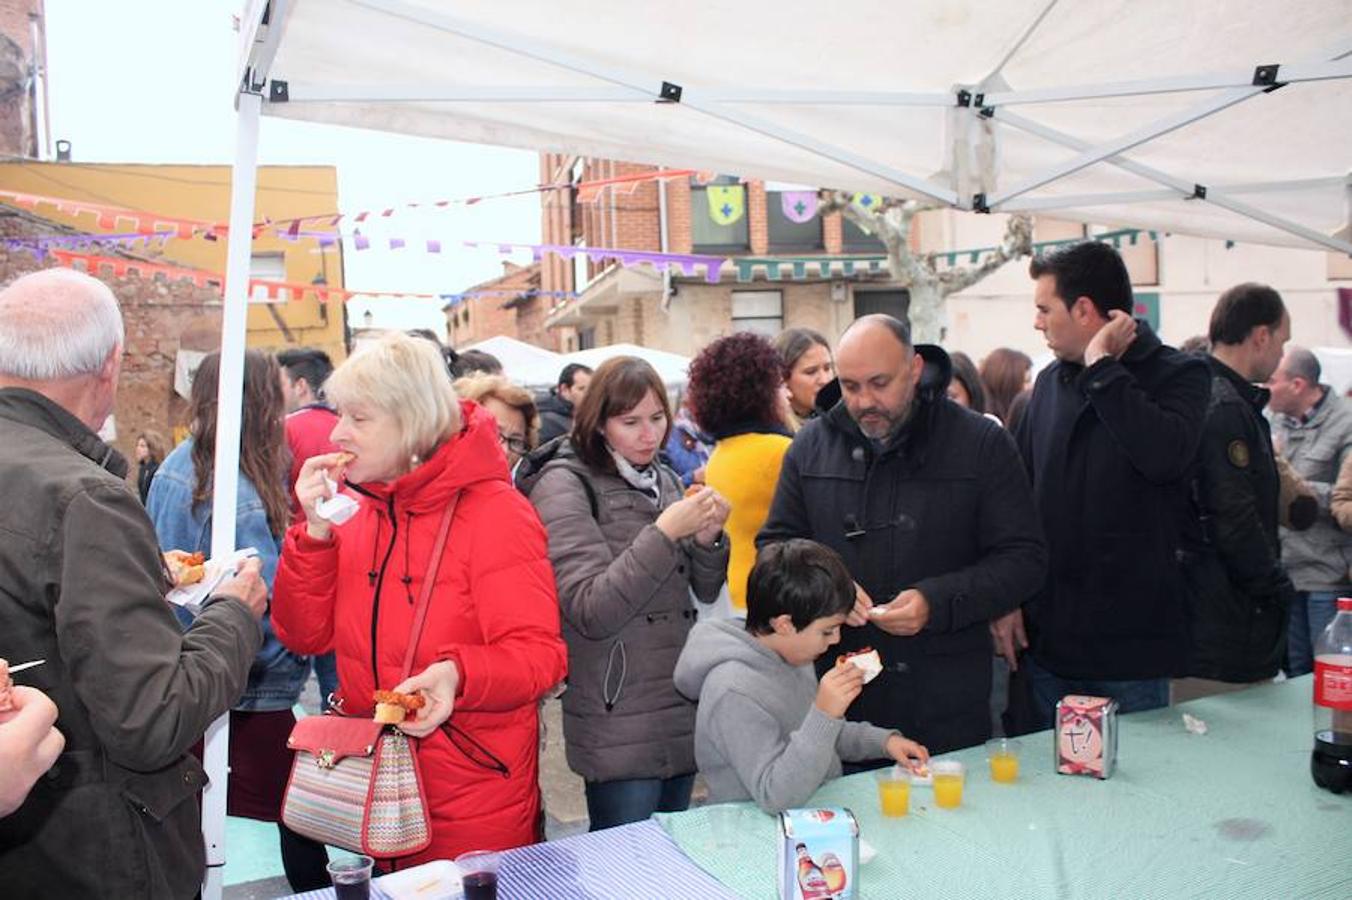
(1138, 521)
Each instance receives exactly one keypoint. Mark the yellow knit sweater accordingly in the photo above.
(745, 470)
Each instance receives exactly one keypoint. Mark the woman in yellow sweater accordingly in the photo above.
(735, 393)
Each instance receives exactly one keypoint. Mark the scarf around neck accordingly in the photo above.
(644, 479)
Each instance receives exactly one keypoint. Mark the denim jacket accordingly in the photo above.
(277, 675)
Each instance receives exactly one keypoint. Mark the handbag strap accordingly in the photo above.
(425, 598)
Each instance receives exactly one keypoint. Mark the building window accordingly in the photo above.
(786, 235)
(760, 312)
(586, 338)
(854, 239)
(895, 303)
(706, 234)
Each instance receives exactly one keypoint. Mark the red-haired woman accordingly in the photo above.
(736, 391)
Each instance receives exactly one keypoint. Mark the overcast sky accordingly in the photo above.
(152, 82)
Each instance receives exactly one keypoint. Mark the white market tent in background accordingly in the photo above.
(671, 367)
(1145, 113)
(525, 364)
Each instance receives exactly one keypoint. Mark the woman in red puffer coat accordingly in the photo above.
(490, 648)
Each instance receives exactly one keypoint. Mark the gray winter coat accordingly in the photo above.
(624, 591)
(758, 734)
(1317, 559)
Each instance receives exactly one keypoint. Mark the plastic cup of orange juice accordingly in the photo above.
(894, 791)
(948, 777)
(1003, 755)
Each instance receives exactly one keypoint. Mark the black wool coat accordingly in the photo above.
(945, 508)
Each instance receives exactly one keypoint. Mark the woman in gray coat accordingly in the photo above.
(628, 551)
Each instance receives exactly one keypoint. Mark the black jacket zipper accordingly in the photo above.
(375, 600)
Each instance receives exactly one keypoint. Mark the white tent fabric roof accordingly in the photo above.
(671, 367)
(863, 97)
(523, 363)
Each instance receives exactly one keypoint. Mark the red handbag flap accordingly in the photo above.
(335, 736)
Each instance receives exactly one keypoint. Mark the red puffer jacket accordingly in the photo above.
(493, 611)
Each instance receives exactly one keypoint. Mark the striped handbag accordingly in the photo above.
(355, 783)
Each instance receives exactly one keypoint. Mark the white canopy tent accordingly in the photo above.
(523, 363)
(671, 367)
(1229, 119)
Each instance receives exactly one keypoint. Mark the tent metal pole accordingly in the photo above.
(1215, 81)
(310, 92)
(647, 85)
(1178, 184)
(229, 402)
(1159, 127)
(1100, 152)
(1063, 201)
(1023, 39)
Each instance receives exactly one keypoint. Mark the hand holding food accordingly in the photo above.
(313, 485)
(837, 690)
(435, 686)
(247, 586)
(687, 516)
(910, 754)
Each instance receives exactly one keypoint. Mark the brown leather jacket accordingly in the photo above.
(82, 586)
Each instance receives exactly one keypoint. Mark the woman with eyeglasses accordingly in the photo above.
(490, 647)
(511, 405)
(628, 550)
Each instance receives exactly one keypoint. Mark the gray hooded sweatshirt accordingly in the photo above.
(758, 733)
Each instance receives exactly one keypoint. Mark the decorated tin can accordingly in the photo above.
(818, 854)
(1086, 736)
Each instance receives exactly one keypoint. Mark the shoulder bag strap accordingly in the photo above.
(425, 599)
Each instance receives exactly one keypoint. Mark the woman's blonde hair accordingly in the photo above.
(481, 386)
(406, 378)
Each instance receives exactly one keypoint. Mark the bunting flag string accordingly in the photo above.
(458, 298)
(40, 244)
(109, 217)
(688, 263)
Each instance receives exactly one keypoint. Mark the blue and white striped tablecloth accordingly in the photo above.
(631, 861)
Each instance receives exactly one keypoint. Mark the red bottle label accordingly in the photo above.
(1333, 686)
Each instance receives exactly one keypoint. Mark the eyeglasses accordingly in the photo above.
(513, 443)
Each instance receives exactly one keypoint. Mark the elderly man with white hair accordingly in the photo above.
(82, 587)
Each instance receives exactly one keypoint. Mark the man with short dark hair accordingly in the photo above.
(929, 507)
(1313, 429)
(309, 422)
(1238, 591)
(556, 407)
(1109, 438)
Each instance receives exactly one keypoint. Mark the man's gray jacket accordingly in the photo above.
(1317, 559)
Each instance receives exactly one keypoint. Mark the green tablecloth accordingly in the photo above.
(1232, 813)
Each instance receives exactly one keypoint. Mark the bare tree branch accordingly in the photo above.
(1018, 241)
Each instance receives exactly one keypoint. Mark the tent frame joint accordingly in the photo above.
(979, 204)
(279, 91)
(669, 93)
(964, 98)
(1198, 192)
(1266, 76)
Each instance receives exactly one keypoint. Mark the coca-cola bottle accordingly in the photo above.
(1331, 761)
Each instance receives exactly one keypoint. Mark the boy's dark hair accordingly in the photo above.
(569, 374)
(1089, 269)
(802, 578)
(308, 363)
(1243, 308)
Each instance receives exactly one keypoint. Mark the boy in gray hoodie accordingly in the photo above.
(766, 730)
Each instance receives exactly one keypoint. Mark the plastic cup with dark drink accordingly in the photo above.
(478, 874)
(351, 877)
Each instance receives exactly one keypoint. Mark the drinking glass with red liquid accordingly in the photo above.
(478, 874)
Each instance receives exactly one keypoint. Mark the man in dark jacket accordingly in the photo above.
(1238, 591)
(1109, 438)
(82, 586)
(929, 507)
(556, 407)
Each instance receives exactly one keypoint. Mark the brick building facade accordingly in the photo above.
(22, 60)
(491, 307)
(681, 313)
